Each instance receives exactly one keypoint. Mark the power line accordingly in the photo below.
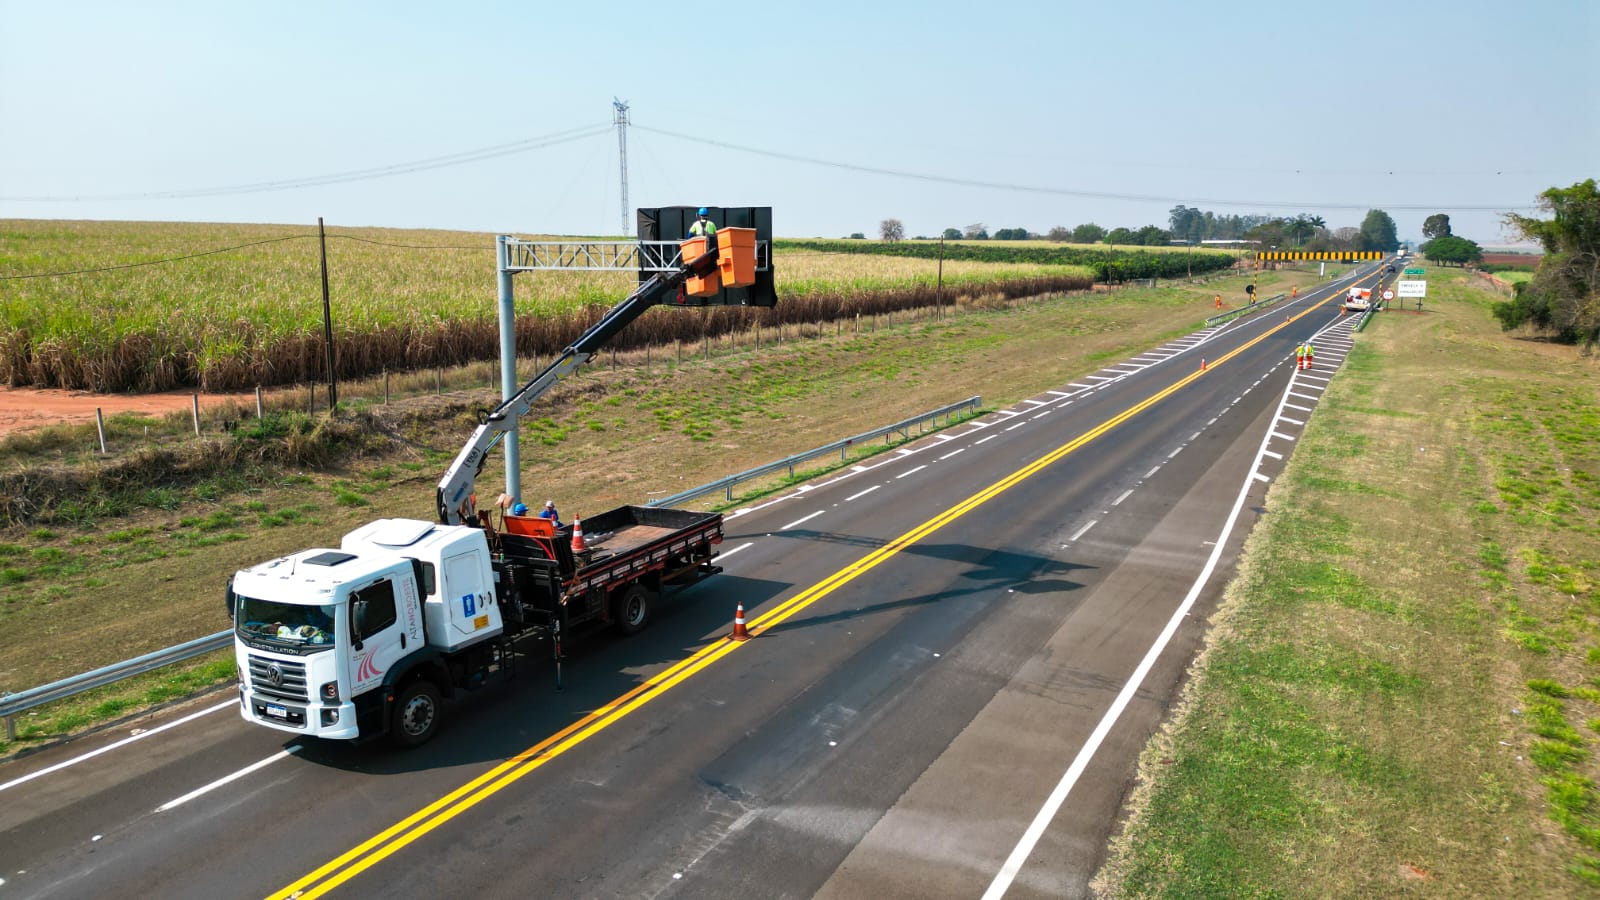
(157, 262)
(433, 162)
(1069, 192)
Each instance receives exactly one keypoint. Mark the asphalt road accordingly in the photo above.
(960, 648)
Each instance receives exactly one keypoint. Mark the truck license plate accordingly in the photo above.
(274, 709)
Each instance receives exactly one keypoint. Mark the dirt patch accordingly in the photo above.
(25, 408)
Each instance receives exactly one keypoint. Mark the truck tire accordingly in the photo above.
(416, 714)
(633, 608)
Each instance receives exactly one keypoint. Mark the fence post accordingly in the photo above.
(260, 410)
(100, 426)
(195, 398)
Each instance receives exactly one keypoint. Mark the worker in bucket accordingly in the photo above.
(703, 226)
(549, 512)
(520, 509)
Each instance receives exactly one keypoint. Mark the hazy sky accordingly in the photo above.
(1111, 112)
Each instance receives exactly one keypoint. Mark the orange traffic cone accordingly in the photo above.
(739, 632)
(1202, 363)
(578, 545)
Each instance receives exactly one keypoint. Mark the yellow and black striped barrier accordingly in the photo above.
(1329, 255)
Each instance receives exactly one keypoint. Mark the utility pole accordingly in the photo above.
(620, 111)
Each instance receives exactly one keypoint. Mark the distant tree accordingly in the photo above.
(1451, 249)
(1119, 235)
(892, 230)
(952, 234)
(1059, 234)
(1378, 232)
(1088, 233)
(1188, 224)
(976, 232)
(1011, 234)
(1299, 229)
(1152, 236)
(857, 236)
(1269, 234)
(1346, 238)
(1436, 226)
(1567, 285)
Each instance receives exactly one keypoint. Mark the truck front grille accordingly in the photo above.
(276, 678)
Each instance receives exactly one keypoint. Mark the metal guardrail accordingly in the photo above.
(904, 426)
(1259, 304)
(13, 704)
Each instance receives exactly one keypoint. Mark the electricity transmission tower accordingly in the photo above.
(620, 109)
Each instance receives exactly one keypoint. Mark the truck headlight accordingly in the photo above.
(330, 691)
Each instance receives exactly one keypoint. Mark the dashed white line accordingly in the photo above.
(981, 440)
(1042, 415)
(910, 472)
(226, 779)
(802, 521)
(1016, 426)
(1152, 471)
(952, 453)
(1212, 421)
(1121, 497)
(1084, 530)
(1195, 435)
(1174, 453)
(727, 553)
(865, 492)
(115, 745)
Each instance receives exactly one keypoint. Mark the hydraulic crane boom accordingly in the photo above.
(456, 487)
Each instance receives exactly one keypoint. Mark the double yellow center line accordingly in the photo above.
(380, 846)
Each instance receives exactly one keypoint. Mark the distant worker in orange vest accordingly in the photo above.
(1311, 354)
(1300, 355)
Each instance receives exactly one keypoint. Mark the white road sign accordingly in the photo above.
(1412, 288)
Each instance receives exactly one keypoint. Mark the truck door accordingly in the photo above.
(378, 629)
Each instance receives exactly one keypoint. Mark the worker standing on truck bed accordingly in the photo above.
(549, 512)
(703, 226)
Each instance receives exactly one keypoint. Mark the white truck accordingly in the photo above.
(368, 638)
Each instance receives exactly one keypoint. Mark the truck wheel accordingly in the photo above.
(632, 611)
(416, 714)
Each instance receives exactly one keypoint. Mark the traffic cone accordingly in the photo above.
(739, 632)
(1202, 363)
(578, 545)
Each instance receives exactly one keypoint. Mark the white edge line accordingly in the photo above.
(802, 520)
(1030, 837)
(202, 791)
(863, 493)
(727, 553)
(122, 743)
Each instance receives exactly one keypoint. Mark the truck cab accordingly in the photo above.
(334, 643)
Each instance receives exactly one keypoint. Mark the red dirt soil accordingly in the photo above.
(25, 408)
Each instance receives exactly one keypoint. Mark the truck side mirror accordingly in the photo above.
(232, 599)
(358, 623)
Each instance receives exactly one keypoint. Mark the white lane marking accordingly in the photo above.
(1273, 455)
(1096, 378)
(1077, 385)
(1016, 426)
(1297, 406)
(1260, 477)
(1290, 421)
(952, 453)
(944, 438)
(911, 472)
(1007, 412)
(904, 452)
(727, 553)
(113, 746)
(1305, 396)
(1279, 434)
(981, 424)
(1152, 471)
(1123, 496)
(1059, 393)
(1035, 402)
(1041, 415)
(1084, 530)
(1052, 805)
(1309, 387)
(858, 468)
(805, 487)
(981, 440)
(1193, 436)
(862, 493)
(803, 520)
(226, 779)
(1212, 421)
(1174, 453)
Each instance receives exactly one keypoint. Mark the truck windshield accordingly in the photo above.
(305, 629)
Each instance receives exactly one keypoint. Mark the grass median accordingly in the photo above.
(1399, 694)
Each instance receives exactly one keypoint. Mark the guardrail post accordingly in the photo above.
(11, 728)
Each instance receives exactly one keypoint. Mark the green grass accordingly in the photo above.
(1399, 694)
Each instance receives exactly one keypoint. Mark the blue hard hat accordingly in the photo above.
(702, 211)
(521, 509)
